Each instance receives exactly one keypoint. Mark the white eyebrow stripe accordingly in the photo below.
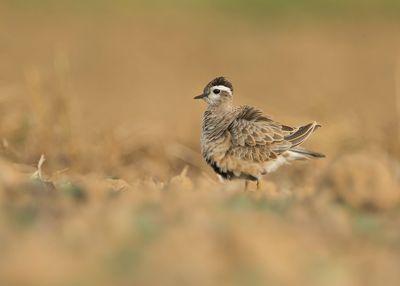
(222, 87)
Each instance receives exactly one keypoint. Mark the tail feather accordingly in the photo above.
(301, 154)
(302, 133)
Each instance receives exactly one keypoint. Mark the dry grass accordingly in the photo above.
(124, 197)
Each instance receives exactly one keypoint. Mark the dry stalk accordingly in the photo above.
(38, 174)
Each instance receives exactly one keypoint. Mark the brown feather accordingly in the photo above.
(299, 136)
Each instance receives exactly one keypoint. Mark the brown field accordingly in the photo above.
(124, 197)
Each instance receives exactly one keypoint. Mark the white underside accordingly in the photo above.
(283, 159)
(274, 165)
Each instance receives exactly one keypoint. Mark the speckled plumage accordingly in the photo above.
(243, 143)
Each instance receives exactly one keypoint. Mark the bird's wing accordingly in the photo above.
(256, 136)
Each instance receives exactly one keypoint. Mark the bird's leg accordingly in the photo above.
(258, 184)
(246, 185)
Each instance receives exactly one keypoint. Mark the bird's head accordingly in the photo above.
(217, 92)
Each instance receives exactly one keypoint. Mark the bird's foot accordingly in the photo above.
(246, 185)
(249, 185)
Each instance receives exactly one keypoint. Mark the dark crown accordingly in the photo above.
(220, 81)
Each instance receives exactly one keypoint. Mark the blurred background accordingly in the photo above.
(104, 89)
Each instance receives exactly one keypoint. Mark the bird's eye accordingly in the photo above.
(216, 91)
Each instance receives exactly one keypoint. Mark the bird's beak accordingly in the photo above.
(200, 96)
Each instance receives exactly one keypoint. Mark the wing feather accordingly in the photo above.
(301, 134)
(256, 136)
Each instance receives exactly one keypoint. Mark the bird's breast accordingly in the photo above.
(215, 147)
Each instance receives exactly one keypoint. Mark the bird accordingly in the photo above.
(241, 142)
